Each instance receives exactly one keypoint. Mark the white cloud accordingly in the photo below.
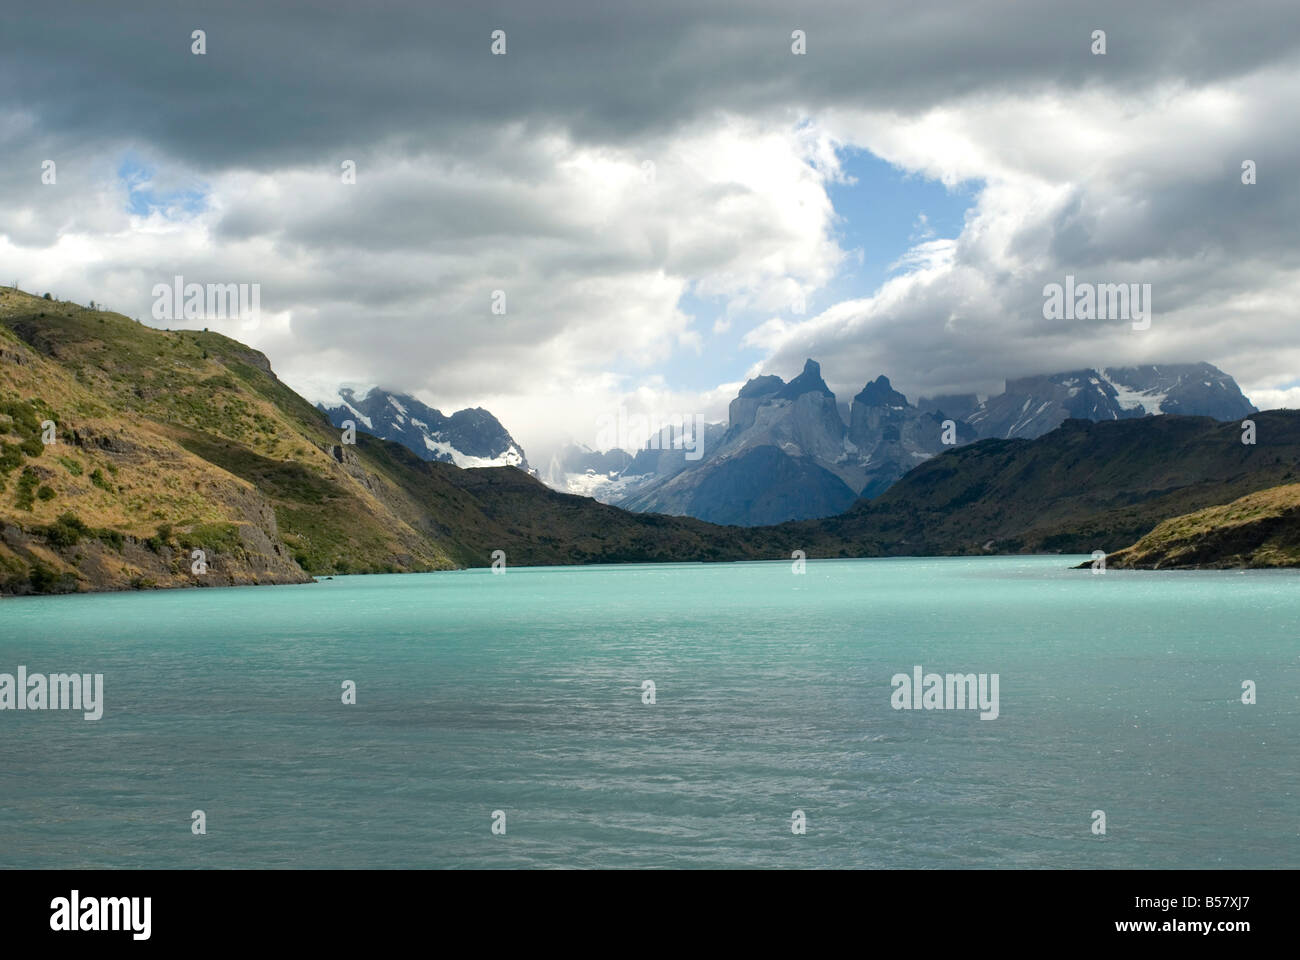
(601, 215)
(1122, 189)
(391, 279)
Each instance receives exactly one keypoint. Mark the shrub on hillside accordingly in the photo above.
(66, 531)
(26, 495)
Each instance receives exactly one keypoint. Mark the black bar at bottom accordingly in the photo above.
(645, 910)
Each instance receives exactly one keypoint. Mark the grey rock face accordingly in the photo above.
(755, 486)
(891, 436)
(788, 454)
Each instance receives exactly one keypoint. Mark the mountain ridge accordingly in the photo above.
(471, 437)
(167, 442)
(839, 459)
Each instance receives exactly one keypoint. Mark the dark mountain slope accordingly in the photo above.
(1084, 487)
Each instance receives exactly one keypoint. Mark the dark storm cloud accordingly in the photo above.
(282, 81)
(521, 172)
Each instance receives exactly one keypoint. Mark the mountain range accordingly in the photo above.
(1031, 406)
(787, 451)
(132, 457)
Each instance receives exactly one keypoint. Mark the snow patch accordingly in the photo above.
(446, 452)
(356, 413)
(1129, 399)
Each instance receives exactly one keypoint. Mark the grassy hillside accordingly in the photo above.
(1258, 530)
(168, 441)
(111, 501)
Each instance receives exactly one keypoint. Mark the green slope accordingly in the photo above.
(1258, 530)
(172, 440)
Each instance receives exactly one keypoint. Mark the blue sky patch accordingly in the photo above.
(147, 193)
(882, 213)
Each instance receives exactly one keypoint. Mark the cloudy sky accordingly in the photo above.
(669, 197)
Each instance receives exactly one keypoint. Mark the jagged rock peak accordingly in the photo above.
(773, 387)
(880, 393)
(810, 381)
(768, 386)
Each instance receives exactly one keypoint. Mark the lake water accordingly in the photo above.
(523, 693)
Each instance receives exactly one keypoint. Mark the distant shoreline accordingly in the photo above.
(486, 568)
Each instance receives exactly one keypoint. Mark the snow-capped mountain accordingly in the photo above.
(787, 452)
(1032, 406)
(467, 438)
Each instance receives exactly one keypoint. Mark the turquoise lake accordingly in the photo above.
(522, 693)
